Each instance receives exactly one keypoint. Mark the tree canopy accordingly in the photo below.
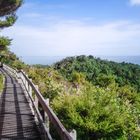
(7, 18)
(9, 6)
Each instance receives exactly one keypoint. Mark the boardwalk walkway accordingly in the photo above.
(16, 119)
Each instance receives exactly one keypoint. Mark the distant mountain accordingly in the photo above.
(49, 60)
(127, 59)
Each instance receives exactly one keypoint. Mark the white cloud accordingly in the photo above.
(75, 38)
(135, 2)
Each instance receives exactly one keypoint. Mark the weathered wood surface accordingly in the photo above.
(16, 119)
(46, 115)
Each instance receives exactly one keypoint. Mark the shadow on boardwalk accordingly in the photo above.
(16, 119)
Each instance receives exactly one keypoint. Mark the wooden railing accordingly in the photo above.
(46, 116)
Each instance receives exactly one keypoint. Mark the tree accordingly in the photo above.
(7, 18)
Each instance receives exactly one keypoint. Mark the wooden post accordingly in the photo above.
(30, 97)
(46, 120)
(36, 102)
(36, 99)
(30, 89)
(26, 84)
(17, 75)
(73, 134)
(23, 78)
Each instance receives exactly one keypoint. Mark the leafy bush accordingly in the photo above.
(4, 42)
(18, 64)
(100, 113)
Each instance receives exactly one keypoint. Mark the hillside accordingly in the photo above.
(98, 98)
(100, 72)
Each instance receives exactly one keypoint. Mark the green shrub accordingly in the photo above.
(100, 113)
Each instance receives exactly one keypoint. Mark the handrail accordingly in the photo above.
(12, 71)
(61, 130)
(53, 118)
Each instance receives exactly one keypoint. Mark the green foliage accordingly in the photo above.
(50, 82)
(9, 21)
(8, 7)
(77, 77)
(96, 69)
(4, 42)
(7, 18)
(11, 59)
(1, 82)
(18, 64)
(99, 99)
(100, 114)
(105, 80)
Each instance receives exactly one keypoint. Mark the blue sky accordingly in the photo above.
(75, 27)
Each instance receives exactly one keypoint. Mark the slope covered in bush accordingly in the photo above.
(99, 99)
(100, 72)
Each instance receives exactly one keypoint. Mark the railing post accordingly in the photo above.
(26, 83)
(46, 117)
(73, 134)
(17, 74)
(24, 80)
(36, 99)
(36, 102)
(30, 96)
(30, 88)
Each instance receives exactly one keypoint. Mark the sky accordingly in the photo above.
(76, 27)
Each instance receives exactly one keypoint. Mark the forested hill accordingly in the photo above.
(97, 98)
(100, 72)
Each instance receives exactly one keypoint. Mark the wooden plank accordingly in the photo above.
(16, 119)
(64, 134)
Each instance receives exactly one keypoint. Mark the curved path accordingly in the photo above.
(16, 119)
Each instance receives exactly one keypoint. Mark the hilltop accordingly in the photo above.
(100, 72)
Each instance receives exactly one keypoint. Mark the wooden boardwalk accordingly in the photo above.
(16, 119)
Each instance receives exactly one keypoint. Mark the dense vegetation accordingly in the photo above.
(99, 99)
(100, 72)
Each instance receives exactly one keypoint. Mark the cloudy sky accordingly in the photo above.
(74, 27)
